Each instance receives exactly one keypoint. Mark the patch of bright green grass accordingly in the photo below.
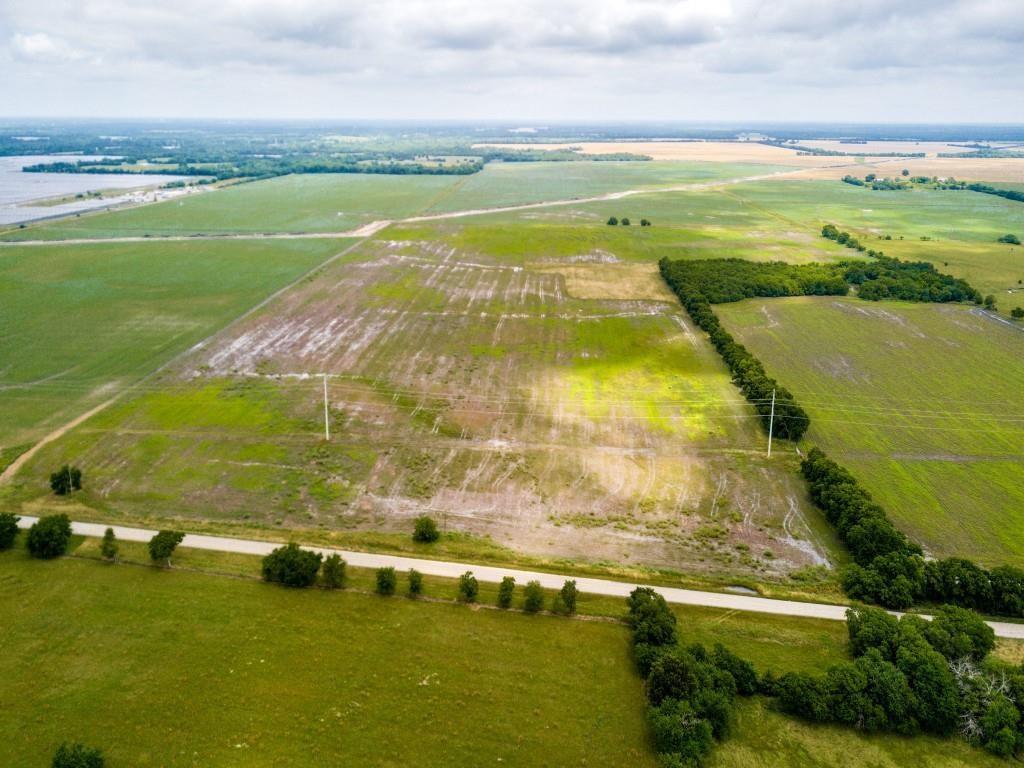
(922, 402)
(83, 320)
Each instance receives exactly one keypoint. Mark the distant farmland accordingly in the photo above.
(923, 402)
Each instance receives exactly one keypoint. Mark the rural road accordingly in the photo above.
(495, 574)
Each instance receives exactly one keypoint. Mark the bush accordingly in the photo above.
(1017, 313)
(415, 583)
(645, 223)
(65, 480)
(77, 756)
(679, 734)
(612, 221)
(162, 546)
(332, 573)
(291, 566)
(425, 531)
(1010, 239)
(8, 529)
(386, 581)
(742, 671)
(468, 587)
(505, 590)
(652, 621)
(625, 221)
(109, 547)
(567, 596)
(49, 537)
(533, 597)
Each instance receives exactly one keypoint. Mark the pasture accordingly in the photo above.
(921, 401)
(80, 322)
(262, 675)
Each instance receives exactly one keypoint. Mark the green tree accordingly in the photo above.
(77, 756)
(415, 583)
(468, 587)
(291, 566)
(162, 546)
(957, 632)
(1017, 313)
(332, 572)
(1010, 239)
(386, 581)
(109, 546)
(8, 529)
(612, 221)
(905, 172)
(533, 597)
(49, 537)
(990, 302)
(505, 590)
(425, 530)
(625, 221)
(66, 480)
(645, 222)
(680, 736)
(567, 596)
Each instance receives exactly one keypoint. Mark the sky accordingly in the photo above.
(530, 60)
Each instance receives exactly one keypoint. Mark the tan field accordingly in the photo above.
(709, 151)
(930, 148)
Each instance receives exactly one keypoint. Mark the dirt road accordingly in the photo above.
(495, 574)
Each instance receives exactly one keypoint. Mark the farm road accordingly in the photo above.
(495, 574)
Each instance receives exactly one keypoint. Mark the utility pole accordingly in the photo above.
(327, 423)
(771, 425)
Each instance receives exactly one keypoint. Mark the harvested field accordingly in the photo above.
(482, 392)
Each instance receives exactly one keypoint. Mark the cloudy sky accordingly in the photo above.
(844, 60)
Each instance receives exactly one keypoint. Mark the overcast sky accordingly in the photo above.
(845, 60)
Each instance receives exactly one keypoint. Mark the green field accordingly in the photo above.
(339, 202)
(922, 402)
(81, 321)
(128, 658)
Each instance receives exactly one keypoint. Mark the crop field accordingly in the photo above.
(922, 402)
(483, 392)
(261, 675)
(79, 322)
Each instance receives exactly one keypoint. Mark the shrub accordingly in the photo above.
(109, 546)
(386, 581)
(77, 756)
(645, 223)
(8, 529)
(649, 616)
(533, 597)
(425, 530)
(468, 587)
(625, 221)
(49, 537)
(612, 221)
(742, 671)
(291, 566)
(65, 480)
(567, 597)
(162, 546)
(332, 573)
(1017, 313)
(415, 583)
(1010, 239)
(505, 590)
(680, 736)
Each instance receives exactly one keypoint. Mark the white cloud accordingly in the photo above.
(613, 59)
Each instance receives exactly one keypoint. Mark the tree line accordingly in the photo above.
(689, 280)
(890, 570)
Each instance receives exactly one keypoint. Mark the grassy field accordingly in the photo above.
(80, 322)
(298, 203)
(923, 402)
(128, 658)
(462, 385)
(183, 669)
(339, 202)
